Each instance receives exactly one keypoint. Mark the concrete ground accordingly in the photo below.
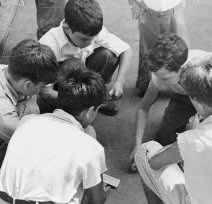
(117, 134)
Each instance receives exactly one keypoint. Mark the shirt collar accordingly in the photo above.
(63, 40)
(62, 115)
(206, 121)
(10, 91)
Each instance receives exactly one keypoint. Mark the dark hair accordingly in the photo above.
(170, 52)
(79, 90)
(84, 16)
(32, 60)
(197, 82)
(68, 65)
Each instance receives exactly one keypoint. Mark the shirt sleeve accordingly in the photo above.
(186, 141)
(11, 115)
(9, 120)
(49, 40)
(91, 171)
(111, 42)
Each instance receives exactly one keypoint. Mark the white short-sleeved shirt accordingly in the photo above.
(48, 157)
(63, 48)
(13, 106)
(196, 151)
(160, 5)
(176, 88)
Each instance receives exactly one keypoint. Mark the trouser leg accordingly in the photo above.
(104, 62)
(167, 183)
(175, 118)
(49, 14)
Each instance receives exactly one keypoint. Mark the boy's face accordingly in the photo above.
(30, 88)
(78, 39)
(169, 78)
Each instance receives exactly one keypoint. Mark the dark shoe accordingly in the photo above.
(141, 93)
(109, 108)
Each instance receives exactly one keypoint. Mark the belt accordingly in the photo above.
(4, 196)
(160, 13)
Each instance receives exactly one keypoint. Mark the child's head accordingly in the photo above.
(32, 66)
(80, 93)
(197, 81)
(83, 21)
(167, 56)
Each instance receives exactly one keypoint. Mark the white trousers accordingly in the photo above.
(167, 183)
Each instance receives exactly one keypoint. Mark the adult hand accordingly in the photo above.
(135, 9)
(116, 92)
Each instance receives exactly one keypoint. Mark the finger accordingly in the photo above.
(111, 92)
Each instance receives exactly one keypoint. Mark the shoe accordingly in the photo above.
(132, 168)
(141, 93)
(109, 108)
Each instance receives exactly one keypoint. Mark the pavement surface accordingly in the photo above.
(117, 134)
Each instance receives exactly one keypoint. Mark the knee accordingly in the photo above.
(107, 55)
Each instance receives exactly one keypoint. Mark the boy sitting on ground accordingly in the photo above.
(82, 35)
(193, 147)
(50, 155)
(31, 66)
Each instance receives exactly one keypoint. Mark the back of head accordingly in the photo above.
(34, 61)
(84, 16)
(79, 90)
(197, 81)
(170, 52)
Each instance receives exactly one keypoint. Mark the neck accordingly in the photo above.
(205, 112)
(12, 81)
(69, 39)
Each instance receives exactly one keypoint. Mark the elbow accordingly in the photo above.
(154, 164)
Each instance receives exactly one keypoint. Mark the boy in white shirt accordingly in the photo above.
(157, 165)
(50, 158)
(82, 35)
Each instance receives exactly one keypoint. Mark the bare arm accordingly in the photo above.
(143, 110)
(124, 64)
(166, 157)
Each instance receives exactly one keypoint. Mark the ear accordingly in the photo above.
(89, 112)
(66, 28)
(27, 85)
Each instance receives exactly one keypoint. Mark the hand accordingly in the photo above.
(116, 92)
(135, 9)
(193, 122)
(27, 107)
(132, 165)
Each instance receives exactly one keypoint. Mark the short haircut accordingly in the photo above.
(79, 90)
(84, 16)
(34, 61)
(170, 52)
(197, 82)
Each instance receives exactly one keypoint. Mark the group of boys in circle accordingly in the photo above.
(52, 90)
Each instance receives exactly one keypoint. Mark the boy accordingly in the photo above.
(50, 155)
(154, 18)
(31, 67)
(82, 35)
(164, 61)
(193, 147)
